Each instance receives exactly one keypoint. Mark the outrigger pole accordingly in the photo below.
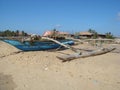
(64, 45)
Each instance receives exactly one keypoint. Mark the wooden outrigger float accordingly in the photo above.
(70, 57)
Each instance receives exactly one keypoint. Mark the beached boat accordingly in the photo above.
(37, 45)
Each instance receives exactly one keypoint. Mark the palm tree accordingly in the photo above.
(109, 35)
(95, 34)
(54, 33)
(17, 33)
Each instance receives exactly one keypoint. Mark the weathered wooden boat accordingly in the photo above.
(37, 45)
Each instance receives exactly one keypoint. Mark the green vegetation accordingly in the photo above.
(109, 35)
(95, 34)
(8, 33)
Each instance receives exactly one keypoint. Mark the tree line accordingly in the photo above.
(108, 35)
(8, 33)
(96, 35)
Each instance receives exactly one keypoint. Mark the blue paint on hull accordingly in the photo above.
(38, 45)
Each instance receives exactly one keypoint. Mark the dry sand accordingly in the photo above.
(41, 70)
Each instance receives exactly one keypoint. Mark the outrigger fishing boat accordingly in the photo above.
(37, 45)
(53, 44)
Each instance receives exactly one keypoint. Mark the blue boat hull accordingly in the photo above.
(37, 46)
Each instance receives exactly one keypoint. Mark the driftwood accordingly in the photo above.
(64, 45)
(70, 57)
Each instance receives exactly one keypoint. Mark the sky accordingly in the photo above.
(38, 16)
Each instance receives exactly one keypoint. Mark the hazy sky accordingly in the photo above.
(37, 16)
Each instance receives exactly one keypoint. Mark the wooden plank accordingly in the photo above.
(70, 57)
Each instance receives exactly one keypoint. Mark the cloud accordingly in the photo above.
(58, 26)
(118, 16)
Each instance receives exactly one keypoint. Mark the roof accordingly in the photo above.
(49, 33)
(64, 33)
(85, 33)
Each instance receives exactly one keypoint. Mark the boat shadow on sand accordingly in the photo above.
(6, 82)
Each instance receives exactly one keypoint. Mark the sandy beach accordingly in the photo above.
(42, 70)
